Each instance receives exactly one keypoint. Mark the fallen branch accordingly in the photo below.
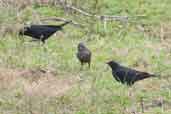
(101, 17)
(62, 19)
(79, 10)
(114, 18)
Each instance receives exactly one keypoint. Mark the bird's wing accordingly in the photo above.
(120, 74)
(84, 55)
(126, 74)
(42, 30)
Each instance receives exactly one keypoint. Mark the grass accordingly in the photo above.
(96, 92)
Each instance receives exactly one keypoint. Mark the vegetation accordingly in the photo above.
(143, 42)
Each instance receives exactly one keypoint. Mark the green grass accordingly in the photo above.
(97, 92)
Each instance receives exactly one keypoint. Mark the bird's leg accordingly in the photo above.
(43, 41)
(130, 93)
(44, 48)
(81, 68)
(89, 64)
(21, 38)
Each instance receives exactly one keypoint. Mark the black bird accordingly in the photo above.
(83, 54)
(126, 75)
(41, 32)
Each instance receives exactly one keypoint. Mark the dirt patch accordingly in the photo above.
(36, 82)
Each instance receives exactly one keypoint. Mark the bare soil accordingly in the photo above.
(35, 82)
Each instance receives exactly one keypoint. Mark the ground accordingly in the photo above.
(36, 82)
(41, 79)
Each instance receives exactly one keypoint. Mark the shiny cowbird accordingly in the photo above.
(83, 54)
(126, 75)
(42, 32)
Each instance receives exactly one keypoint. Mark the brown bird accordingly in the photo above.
(83, 54)
(127, 75)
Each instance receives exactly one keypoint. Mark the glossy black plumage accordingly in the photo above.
(126, 75)
(83, 54)
(41, 32)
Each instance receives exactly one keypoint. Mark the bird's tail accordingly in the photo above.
(150, 75)
(144, 75)
(153, 75)
(63, 24)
